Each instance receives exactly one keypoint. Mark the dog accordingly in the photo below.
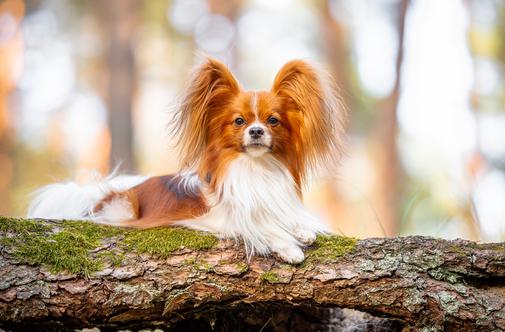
(245, 159)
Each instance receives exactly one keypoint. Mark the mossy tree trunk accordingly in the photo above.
(175, 278)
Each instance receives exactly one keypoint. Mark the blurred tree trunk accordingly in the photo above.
(479, 163)
(120, 21)
(386, 196)
(231, 10)
(11, 51)
(336, 47)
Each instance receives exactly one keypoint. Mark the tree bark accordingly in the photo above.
(410, 283)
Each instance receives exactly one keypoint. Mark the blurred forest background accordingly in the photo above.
(88, 84)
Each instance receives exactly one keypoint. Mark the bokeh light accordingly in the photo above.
(426, 143)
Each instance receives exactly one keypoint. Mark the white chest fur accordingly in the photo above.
(257, 202)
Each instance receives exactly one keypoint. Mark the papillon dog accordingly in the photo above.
(246, 157)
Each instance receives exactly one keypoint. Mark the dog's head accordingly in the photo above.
(299, 121)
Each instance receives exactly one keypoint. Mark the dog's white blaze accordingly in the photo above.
(258, 203)
(254, 104)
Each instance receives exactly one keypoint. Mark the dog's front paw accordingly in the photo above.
(305, 236)
(291, 254)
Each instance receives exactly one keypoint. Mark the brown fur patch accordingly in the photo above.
(160, 201)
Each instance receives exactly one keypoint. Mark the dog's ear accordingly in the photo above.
(210, 89)
(312, 93)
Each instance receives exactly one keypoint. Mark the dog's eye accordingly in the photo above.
(239, 121)
(272, 121)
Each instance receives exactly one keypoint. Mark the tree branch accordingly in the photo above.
(126, 279)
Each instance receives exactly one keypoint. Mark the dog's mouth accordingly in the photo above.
(257, 145)
(256, 148)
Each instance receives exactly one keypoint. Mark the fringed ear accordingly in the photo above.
(210, 88)
(313, 93)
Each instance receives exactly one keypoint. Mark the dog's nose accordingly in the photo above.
(256, 132)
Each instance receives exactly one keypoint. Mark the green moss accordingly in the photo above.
(61, 251)
(91, 230)
(190, 261)
(20, 226)
(328, 248)
(70, 245)
(162, 242)
(461, 251)
(498, 247)
(113, 256)
(270, 277)
(67, 248)
(203, 266)
(242, 267)
(199, 264)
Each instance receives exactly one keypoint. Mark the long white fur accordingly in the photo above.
(71, 200)
(258, 203)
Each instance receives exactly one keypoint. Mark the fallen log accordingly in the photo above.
(66, 275)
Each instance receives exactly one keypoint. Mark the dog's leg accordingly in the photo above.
(288, 252)
(304, 235)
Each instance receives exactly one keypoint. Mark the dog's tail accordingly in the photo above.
(70, 200)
